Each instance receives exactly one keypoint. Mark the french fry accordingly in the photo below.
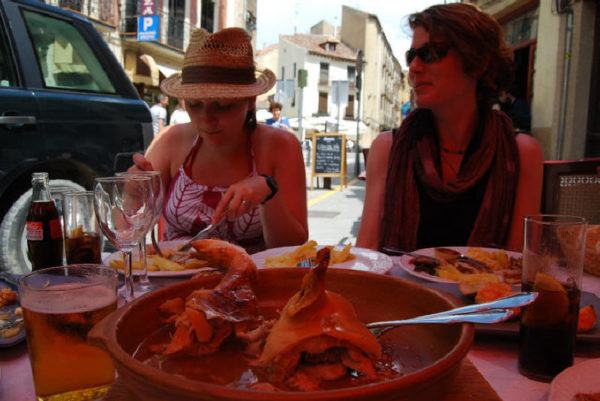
(164, 264)
(308, 251)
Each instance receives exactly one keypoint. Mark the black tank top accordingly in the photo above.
(450, 223)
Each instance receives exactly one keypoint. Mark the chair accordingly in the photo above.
(572, 188)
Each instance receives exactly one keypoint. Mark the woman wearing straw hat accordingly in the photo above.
(223, 166)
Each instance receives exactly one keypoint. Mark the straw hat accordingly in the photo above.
(218, 65)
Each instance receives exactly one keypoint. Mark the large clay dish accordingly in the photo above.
(431, 355)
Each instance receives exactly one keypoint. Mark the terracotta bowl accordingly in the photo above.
(430, 355)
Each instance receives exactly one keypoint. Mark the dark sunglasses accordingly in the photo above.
(428, 53)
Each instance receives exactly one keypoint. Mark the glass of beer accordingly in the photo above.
(83, 239)
(60, 306)
(553, 255)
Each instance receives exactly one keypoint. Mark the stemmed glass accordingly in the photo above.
(156, 184)
(123, 207)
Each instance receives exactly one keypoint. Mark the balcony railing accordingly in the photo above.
(173, 35)
(105, 11)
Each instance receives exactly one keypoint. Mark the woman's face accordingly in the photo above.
(219, 120)
(437, 84)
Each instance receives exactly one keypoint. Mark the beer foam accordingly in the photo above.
(68, 298)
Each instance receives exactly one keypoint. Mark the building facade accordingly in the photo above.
(557, 53)
(382, 73)
(147, 63)
(326, 60)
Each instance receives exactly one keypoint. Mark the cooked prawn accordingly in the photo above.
(210, 316)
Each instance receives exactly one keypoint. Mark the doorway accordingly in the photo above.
(592, 148)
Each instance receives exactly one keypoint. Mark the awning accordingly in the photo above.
(151, 63)
(166, 70)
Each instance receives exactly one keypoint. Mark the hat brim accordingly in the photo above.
(172, 86)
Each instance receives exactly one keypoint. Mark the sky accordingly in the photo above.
(284, 17)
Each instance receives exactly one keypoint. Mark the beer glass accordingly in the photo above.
(553, 255)
(60, 306)
(83, 239)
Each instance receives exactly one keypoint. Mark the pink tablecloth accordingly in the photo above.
(496, 359)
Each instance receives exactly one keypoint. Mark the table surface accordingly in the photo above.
(495, 358)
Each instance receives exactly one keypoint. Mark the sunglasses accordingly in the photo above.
(428, 53)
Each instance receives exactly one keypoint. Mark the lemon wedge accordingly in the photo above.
(551, 306)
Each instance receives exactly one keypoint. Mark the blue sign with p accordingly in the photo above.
(148, 28)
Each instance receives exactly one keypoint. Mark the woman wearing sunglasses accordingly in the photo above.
(454, 173)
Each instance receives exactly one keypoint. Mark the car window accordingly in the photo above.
(8, 77)
(64, 57)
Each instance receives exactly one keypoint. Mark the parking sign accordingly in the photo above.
(148, 28)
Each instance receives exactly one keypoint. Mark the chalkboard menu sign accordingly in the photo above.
(329, 156)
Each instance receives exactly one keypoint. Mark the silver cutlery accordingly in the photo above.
(486, 313)
(204, 233)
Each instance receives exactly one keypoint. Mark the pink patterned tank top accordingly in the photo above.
(190, 206)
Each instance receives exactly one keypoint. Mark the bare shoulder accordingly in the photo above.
(380, 149)
(274, 141)
(530, 151)
(383, 142)
(170, 147)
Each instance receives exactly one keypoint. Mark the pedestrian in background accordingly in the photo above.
(517, 109)
(159, 114)
(179, 115)
(278, 121)
(454, 173)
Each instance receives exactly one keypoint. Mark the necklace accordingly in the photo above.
(452, 151)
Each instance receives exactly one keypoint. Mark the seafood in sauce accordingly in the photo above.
(316, 342)
(207, 317)
(318, 337)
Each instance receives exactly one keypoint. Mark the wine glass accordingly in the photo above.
(156, 184)
(123, 207)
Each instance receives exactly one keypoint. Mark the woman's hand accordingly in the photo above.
(241, 197)
(140, 163)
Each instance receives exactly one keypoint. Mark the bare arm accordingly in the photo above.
(377, 164)
(285, 216)
(529, 188)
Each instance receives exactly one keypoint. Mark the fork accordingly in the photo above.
(155, 244)
(488, 312)
(202, 234)
(305, 262)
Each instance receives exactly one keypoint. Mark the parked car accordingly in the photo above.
(66, 107)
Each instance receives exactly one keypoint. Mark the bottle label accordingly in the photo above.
(55, 229)
(35, 231)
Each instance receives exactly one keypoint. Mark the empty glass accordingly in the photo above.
(144, 284)
(123, 207)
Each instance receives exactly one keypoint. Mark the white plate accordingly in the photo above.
(404, 261)
(365, 259)
(164, 245)
(579, 378)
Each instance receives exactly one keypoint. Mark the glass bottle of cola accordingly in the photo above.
(44, 231)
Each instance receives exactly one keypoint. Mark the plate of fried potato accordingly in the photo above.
(344, 257)
(501, 266)
(171, 264)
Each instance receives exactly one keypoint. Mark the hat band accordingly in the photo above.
(219, 75)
